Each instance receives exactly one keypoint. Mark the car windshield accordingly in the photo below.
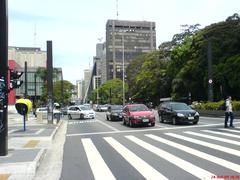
(85, 108)
(138, 108)
(116, 107)
(180, 106)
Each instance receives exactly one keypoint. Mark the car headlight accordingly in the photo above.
(180, 115)
(196, 114)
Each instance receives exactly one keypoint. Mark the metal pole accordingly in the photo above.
(123, 69)
(35, 94)
(50, 82)
(62, 88)
(210, 81)
(97, 91)
(3, 77)
(26, 79)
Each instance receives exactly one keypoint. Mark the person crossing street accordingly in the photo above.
(229, 113)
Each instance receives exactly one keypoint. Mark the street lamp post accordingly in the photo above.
(123, 69)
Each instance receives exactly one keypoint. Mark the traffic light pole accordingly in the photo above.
(50, 82)
(3, 78)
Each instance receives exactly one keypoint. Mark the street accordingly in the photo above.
(101, 149)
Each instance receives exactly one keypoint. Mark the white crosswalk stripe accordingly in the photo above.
(101, 168)
(98, 166)
(230, 130)
(185, 165)
(214, 138)
(221, 133)
(141, 166)
(203, 143)
(81, 122)
(198, 153)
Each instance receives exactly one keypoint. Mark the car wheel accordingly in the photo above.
(161, 119)
(195, 122)
(81, 116)
(131, 124)
(69, 116)
(152, 124)
(124, 122)
(174, 121)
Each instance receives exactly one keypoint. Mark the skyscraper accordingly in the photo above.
(125, 40)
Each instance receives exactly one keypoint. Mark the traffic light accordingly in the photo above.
(14, 79)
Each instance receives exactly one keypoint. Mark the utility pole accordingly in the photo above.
(3, 78)
(26, 79)
(50, 82)
(62, 88)
(210, 80)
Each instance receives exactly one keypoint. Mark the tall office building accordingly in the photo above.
(125, 40)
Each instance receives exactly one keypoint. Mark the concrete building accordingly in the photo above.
(34, 57)
(125, 40)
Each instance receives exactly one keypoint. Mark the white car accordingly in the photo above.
(44, 111)
(80, 112)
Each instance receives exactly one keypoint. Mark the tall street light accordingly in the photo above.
(123, 69)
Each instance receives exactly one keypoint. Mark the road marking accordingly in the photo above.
(4, 176)
(31, 144)
(185, 165)
(214, 138)
(142, 130)
(230, 130)
(39, 131)
(97, 164)
(203, 143)
(11, 131)
(221, 133)
(111, 127)
(141, 166)
(208, 157)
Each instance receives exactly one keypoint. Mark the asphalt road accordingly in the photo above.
(100, 149)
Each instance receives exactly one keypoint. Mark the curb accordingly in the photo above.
(22, 170)
(27, 170)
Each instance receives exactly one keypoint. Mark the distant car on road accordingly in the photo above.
(114, 112)
(102, 108)
(80, 112)
(136, 114)
(44, 111)
(177, 112)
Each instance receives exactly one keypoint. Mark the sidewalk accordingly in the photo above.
(27, 148)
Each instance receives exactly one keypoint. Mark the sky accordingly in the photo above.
(76, 26)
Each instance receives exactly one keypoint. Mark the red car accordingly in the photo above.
(136, 114)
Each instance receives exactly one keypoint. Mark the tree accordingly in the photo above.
(57, 96)
(110, 92)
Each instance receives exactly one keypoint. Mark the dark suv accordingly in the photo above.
(177, 112)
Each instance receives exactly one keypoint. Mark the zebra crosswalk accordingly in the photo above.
(205, 154)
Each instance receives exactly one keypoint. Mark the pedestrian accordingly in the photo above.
(229, 112)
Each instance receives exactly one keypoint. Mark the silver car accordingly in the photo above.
(80, 112)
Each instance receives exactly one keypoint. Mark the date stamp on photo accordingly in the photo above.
(226, 177)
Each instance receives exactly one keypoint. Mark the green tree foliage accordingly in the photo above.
(110, 92)
(57, 96)
(180, 66)
(188, 65)
(148, 81)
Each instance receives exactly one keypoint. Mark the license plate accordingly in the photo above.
(145, 120)
(190, 118)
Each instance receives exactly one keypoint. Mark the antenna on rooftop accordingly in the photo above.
(117, 8)
(35, 35)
